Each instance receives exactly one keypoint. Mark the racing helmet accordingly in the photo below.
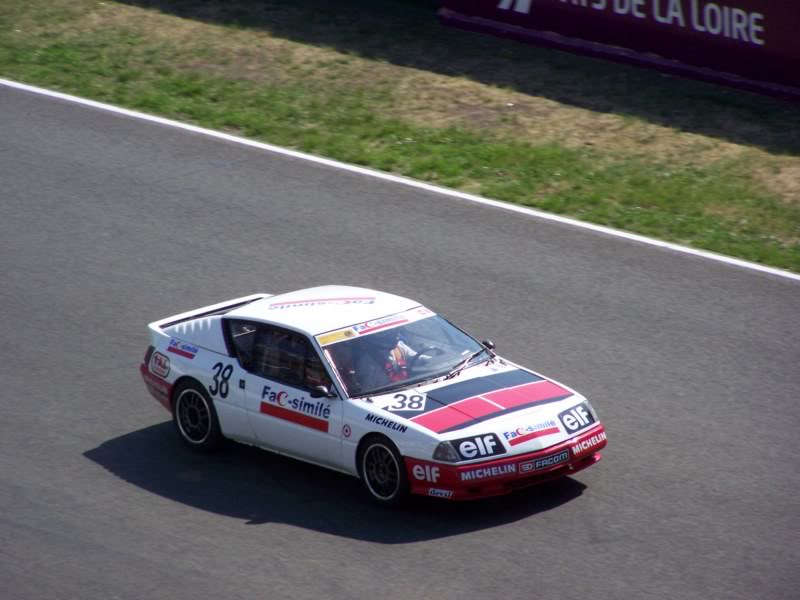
(385, 340)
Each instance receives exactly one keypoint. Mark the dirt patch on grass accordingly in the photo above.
(430, 99)
(226, 52)
(781, 177)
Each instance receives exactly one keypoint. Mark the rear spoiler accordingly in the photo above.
(207, 311)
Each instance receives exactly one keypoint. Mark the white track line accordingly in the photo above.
(406, 181)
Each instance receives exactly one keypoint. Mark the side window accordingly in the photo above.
(266, 351)
(242, 334)
(286, 356)
(293, 352)
(315, 372)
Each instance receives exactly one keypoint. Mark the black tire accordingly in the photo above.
(382, 470)
(195, 418)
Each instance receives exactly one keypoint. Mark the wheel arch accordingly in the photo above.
(177, 385)
(374, 435)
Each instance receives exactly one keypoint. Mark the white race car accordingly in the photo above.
(370, 384)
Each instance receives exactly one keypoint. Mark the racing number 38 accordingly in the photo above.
(404, 402)
(222, 374)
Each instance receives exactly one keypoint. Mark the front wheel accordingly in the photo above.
(195, 418)
(382, 471)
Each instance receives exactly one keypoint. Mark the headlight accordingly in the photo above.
(592, 410)
(445, 453)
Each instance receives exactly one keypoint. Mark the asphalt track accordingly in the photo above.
(107, 223)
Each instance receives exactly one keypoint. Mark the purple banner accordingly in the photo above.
(750, 43)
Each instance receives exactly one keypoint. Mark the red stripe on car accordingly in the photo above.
(533, 435)
(475, 407)
(180, 352)
(295, 417)
(526, 394)
(457, 413)
(441, 419)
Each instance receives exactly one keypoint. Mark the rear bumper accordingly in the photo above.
(160, 389)
(503, 476)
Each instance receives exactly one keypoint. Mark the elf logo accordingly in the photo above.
(520, 6)
(479, 446)
(426, 473)
(576, 418)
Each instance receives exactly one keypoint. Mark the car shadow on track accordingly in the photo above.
(261, 487)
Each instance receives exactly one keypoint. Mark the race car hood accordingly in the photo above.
(522, 408)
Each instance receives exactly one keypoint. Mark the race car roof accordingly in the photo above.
(325, 308)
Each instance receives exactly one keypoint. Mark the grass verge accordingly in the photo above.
(387, 88)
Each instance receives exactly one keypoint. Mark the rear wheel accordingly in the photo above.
(195, 418)
(382, 470)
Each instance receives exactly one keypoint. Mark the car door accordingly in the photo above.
(227, 379)
(284, 369)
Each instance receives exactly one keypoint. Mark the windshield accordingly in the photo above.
(393, 353)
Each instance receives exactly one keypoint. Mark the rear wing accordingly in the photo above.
(207, 311)
(199, 327)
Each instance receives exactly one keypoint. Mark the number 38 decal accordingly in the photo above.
(221, 376)
(404, 402)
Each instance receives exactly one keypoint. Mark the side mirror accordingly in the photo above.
(322, 391)
(488, 344)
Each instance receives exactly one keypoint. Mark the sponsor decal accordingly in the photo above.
(385, 423)
(586, 444)
(382, 323)
(479, 446)
(545, 462)
(346, 431)
(183, 349)
(368, 327)
(159, 364)
(488, 472)
(576, 418)
(426, 473)
(708, 18)
(303, 411)
(409, 316)
(321, 302)
(335, 336)
(437, 493)
(522, 6)
(528, 432)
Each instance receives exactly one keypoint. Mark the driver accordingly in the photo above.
(384, 360)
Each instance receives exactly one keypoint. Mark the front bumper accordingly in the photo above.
(505, 475)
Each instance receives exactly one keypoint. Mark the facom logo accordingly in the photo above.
(544, 462)
(426, 473)
(520, 6)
